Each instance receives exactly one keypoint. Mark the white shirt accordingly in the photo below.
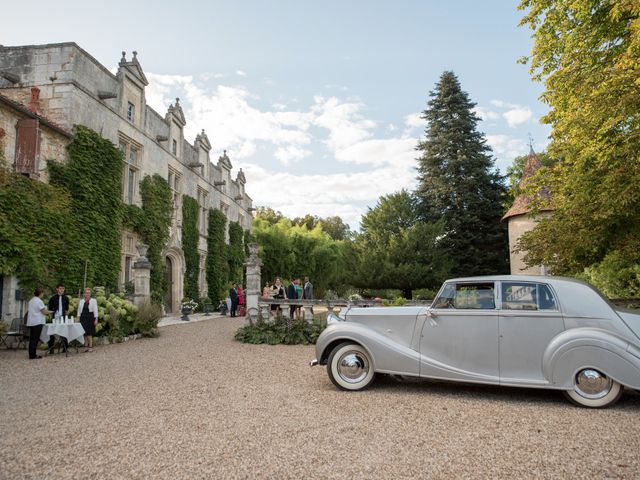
(35, 315)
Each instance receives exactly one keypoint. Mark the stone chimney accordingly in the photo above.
(34, 103)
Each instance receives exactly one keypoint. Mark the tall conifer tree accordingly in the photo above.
(459, 183)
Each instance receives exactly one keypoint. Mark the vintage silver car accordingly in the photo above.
(524, 331)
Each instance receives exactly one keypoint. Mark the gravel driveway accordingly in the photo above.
(194, 403)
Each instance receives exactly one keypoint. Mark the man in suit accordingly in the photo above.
(233, 295)
(59, 305)
(307, 291)
(292, 294)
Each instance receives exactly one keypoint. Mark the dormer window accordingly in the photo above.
(131, 112)
(174, 147)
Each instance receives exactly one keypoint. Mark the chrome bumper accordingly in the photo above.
(313, 363)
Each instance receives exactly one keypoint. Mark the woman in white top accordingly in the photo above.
(35, 321)
(88, 316)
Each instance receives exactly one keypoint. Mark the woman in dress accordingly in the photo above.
(241, 308)
(88, 316)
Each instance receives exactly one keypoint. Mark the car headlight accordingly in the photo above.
(333, 318)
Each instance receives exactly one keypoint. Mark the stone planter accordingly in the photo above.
(185, 314)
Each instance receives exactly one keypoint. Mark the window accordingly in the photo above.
(132, 153)
(174, 147)
(477, 296)
(173, 179)
(133, 156)
(127, 269)
(527, 296)
(131, 182)
(131, 112)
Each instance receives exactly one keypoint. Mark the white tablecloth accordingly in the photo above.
(70, 331)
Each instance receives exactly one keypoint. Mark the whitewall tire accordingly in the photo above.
(593, 389)
(350, 367)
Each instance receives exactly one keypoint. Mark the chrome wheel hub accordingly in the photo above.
(592, 384)
(353, 367)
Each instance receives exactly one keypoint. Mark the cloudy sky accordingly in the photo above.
(318, 102)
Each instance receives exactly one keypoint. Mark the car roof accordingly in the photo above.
(519, 278)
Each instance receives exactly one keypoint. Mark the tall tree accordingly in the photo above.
(397, 250)
(587, 53)
(458, 182)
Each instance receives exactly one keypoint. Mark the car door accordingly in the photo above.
(459, 339)
(529, 319)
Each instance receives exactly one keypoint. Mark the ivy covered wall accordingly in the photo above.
(38, 233)
(190, 237)
(93, 177)
(154, 229)
(236, 252)
(217, 266)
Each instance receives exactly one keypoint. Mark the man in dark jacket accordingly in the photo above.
(233, 296)
(59, 305)
(292, 294)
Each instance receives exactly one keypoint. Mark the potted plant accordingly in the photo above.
(206, 306)
(188, 306)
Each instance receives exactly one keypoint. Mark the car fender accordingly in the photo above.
(387, 356)
(579, 348)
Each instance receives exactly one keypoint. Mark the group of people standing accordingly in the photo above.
(294, 291)
(58, 306)
(237, 300)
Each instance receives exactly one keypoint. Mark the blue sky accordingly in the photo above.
(318, 102)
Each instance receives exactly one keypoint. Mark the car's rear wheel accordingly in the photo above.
(350, 367)
(594, 389)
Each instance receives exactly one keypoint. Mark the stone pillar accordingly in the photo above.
(142, 277)
(253, 289)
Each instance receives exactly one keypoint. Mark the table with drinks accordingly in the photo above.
(63, 326)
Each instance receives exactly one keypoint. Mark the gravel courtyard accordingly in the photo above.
(194, 403)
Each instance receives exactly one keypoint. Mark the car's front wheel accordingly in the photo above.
(594, 389)
(350, 367)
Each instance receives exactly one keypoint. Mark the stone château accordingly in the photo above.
(47, 89)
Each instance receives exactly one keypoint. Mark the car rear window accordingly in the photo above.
(527, 296)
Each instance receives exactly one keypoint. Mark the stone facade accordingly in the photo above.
(74, 88)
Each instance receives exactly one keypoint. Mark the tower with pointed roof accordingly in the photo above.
(521, 218)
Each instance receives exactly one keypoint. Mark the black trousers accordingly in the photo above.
(34, 338)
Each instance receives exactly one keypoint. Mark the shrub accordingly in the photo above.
(146, 321)
(277, 332)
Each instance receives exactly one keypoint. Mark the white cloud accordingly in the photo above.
(241, 73)
(291, 153)
(378, 152)
(486, 114)
(517, 116)
(228, 115)
(346, 195)
(343, 120)
(415, 120)
(506, 149)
